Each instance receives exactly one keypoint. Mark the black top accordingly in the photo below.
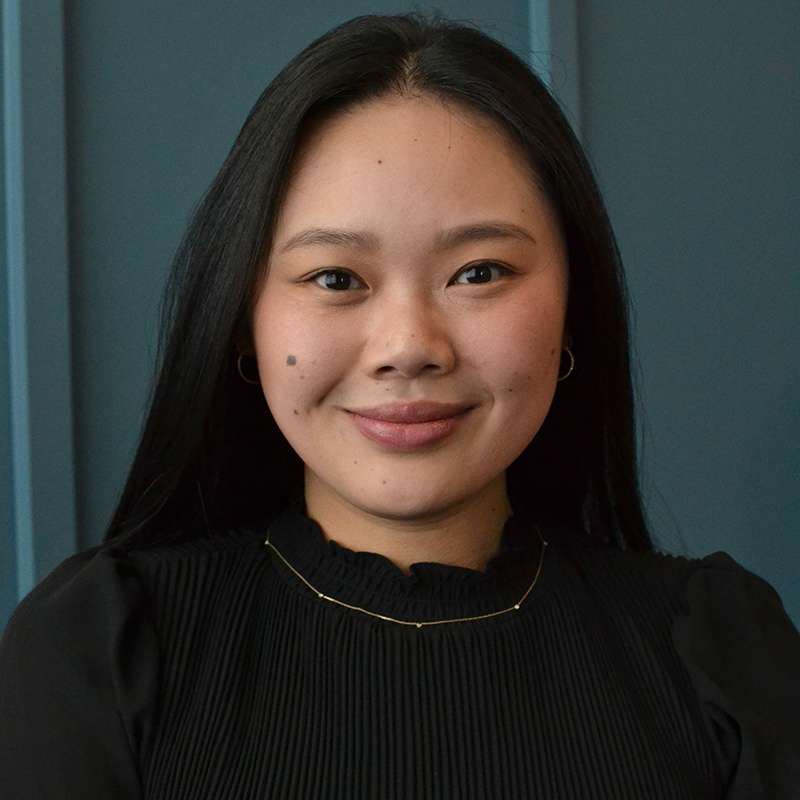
(209, 670)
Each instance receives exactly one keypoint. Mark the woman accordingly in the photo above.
(326, 594)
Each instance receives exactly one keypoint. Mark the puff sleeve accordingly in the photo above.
(78, 684)
(743, 655)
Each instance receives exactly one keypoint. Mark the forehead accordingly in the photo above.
(426, 116)
(407, 149)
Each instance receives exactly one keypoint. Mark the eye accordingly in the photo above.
(481, 272)
(337, 280)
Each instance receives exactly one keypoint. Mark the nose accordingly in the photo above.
(409, 337)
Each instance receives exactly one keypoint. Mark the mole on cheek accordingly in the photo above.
(291, 361)
(553, 352)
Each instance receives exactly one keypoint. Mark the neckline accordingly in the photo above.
(430, 591)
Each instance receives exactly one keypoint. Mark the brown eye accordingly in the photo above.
(482, 272)
(337, 280)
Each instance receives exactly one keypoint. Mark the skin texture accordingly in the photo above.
(440, 276)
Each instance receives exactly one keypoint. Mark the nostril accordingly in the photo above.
(407, 347)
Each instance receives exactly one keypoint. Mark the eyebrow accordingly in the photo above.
(336, 237)
(445, 240)
(464, 234)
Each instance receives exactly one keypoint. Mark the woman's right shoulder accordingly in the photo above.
(83, 652)
(99, 574)
(113, 579)
(99, 569)
(79, 654)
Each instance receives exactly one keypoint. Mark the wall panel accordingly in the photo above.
(691, 112)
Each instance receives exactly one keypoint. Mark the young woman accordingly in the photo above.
(382, 536)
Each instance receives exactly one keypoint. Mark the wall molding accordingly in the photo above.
(36, 265)
(553, 26)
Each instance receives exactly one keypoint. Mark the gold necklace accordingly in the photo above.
(322, 596)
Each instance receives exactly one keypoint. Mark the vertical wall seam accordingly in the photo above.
(17, 312)
(539, 38)
(39, 352)
(554, 51)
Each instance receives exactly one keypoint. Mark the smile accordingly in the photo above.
(409, 426)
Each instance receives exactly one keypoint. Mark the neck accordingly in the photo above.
(466, 535)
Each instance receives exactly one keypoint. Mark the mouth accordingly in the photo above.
(409, 426)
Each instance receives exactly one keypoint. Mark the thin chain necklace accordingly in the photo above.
(409, 623)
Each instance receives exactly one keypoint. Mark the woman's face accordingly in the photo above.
(409, 330)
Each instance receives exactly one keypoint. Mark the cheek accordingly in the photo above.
(522, 356)
(299, 359)
(523, 381)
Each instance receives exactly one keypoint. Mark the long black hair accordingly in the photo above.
(212, 457)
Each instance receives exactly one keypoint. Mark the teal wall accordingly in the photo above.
(126, 111)
(692, 115)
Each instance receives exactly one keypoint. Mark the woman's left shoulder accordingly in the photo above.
(632, 580)
(725, 600)
(736, 635)
(711, 590)
(727, 622)
(742, 653)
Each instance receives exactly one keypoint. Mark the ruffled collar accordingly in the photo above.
(431, 591)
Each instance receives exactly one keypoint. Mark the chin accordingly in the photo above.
(390, 506)
(406, 504)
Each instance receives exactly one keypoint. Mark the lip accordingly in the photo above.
(409, 426)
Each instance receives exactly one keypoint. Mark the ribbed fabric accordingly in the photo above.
(248, 685)
(271, 692)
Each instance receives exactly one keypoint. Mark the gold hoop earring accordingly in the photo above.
(242, 375)
(571, 364)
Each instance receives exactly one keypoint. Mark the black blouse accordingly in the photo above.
(210, 670)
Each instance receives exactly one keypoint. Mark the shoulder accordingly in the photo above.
(711, 599)
(728, 631)
(85, 648)
(99, 581)
(216, 573)
(743, 656)
(735, 628)
(79, 654)
(111, 577)
(223, 551)
(101, 593)
(642, 582)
